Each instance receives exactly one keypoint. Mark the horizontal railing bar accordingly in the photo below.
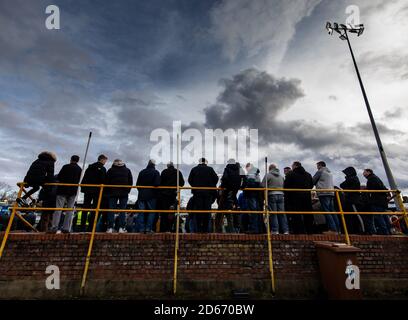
(212, 188)
(206, 211)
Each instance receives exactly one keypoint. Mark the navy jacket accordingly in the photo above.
(148, 177)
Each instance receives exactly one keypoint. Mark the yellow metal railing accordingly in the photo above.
(178, 210)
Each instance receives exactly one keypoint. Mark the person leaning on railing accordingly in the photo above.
(66, 195)
(377, 202)
(94, 174)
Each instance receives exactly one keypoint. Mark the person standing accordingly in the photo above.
(299, 178)
(94, 174)
(274, 180)
(202, 176)
(231, 181)
(352, 200)
(168, 197)
(252, 180)
(377, 202)
(40, 172)
(118, 174)
(147, 197)
(323, 179)
(66, 195)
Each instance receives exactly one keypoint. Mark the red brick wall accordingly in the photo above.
(230, 261)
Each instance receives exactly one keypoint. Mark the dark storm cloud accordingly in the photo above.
(255, 99)
(394, 114)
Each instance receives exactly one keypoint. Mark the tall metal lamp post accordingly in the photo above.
(343, 31)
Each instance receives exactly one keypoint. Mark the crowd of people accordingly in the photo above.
(230, 198)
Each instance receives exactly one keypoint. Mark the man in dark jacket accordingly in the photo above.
(299, 178)
(352, 200)
(41, 171)
(94, 174)
(147, 197)
(168, 197)
(253, 198)
(66, 195)
(378, 202)
(231, 181)
(202, 176)
(118, 174)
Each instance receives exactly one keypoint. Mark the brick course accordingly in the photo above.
(222, 258)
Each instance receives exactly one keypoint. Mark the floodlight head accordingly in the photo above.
(336, 27)
(329, 28)
(360, 30)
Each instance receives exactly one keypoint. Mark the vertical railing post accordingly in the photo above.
(176, 245)
(343, 220)
(13, 213)
(268, 231)
(88, 256)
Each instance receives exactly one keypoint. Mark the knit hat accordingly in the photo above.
(231, 161)
(118, 163)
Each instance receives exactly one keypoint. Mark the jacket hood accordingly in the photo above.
(299, 170)
(47, 155)
(325, 169)
(350, 172)
(118, 163)
(275, 172)
(232, 166)
(151, 166)
(253, 170)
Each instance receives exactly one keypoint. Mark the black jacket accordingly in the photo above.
(168, 177)
(203, 176)
(351, 182)
(298, 178)
(232, 178)
(118, 175)
(41, 170)
(148, 177)
(94, 174)
(376, 198)
(69, 173)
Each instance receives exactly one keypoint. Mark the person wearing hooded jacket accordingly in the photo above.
(40, 172)
(252, 180)
(147, 197)
(299, 178)
(323, 179)
(118, 174)
(377, 202)
(352, 200)
(202, 176)
(274, 180)
(231, 181)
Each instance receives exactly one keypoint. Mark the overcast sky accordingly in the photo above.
(124, 68)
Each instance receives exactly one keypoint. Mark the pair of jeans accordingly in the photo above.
(113, 204)
(376, 223)
(90, 202)
(278, 221)
(145, 220)
(255, 219)
(61, 201)
(332, 221)
(201, 220)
